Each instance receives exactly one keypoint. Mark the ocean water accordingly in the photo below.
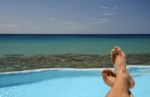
(71, 44)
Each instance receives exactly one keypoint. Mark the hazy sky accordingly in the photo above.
(75, 16)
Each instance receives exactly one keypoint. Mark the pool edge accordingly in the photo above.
(66, 69)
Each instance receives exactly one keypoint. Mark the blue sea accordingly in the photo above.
(53, 44)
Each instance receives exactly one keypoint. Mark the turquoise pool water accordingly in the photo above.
(67, 83)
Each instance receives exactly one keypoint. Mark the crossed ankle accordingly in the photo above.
(120, 69)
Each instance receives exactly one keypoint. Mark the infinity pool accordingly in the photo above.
(67, 83)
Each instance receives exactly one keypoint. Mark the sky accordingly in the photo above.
(75, 16)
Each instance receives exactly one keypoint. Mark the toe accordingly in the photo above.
(116, 52)
(113, 56)
(119, 51)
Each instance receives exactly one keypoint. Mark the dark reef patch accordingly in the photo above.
(21, 62)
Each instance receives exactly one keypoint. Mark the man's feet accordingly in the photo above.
(119, 60)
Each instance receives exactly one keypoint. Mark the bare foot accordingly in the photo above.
(118, 58)
(109, 77)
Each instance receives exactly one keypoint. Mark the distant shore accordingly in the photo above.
(22, 62)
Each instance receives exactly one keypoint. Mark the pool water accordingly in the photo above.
(67, 83)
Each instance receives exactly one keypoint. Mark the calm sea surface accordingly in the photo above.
(71, 44)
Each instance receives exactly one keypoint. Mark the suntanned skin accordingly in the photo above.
(120, 81)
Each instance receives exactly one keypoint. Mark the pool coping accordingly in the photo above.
(66, 69)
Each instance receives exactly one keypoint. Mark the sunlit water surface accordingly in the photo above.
(67, 83)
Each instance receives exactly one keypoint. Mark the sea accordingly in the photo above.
(87, 44)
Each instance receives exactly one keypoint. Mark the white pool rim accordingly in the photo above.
(68, 69)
